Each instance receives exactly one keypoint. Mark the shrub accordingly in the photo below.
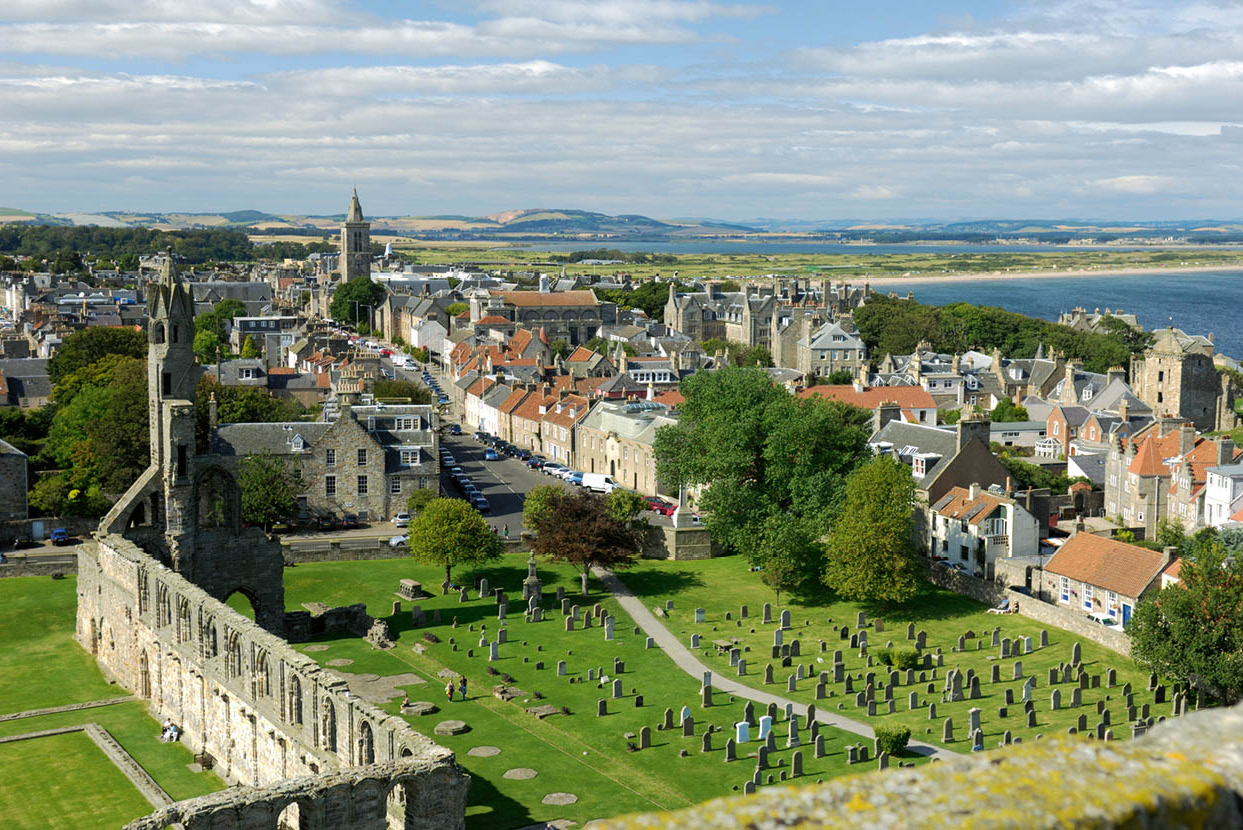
(905, 658)
(892, 739)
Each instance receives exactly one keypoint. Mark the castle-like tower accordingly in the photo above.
(355, 243)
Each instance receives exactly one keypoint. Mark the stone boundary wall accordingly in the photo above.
(992, 593)
(335, 552)
(72, 707)
(1184, 773)
(262, 710)
(28, 567)
(423, 794)
(21, 528)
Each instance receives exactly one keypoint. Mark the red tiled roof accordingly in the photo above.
(671, 398)
(1107, 563)
(553, 299)
(1237, 517)
(511, 402)
(962, 504)
(1173, 569)
(581, 355)
(492, 320)
(907, 397)
(281, 370)
(577, 403)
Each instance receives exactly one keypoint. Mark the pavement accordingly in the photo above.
(686, 660)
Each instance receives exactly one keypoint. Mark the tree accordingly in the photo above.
(871, 549)
(349, 299)
(88, 345)
(1007, 410)
(540, 501)
(1192, 631)
(385, 389)
(450, 533)
(759, 452)
(608, 347)
(624, 505)
(269, 490)
(419, 499)
(581, 532)
(101, 435)
(208, 347)
(249, 350)
(840, 377)
(560, 348)
(454, 309)
(789, 558)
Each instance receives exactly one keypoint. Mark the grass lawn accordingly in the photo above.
(581, 753)
(42, 666)
(723, 585)
(64, 781)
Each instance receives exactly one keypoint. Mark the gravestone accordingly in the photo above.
(1044, 638)
(742, 612)
(731, 751)
(1111, 678)
(1018, 669)
(785, 618)
(973, 719)
(608, 628)
(1075, 657)
(912, 700)
(768, 614)
(995, 676)
(617, 688)
(1055, 700)
(493, 652)
(694, 641)
(742, 667)
(947, 730)
(768, 674)
(602, 708)
(684, 714)
(748, 713)
(766, 727)
(701, 615)
(1005, 647)
(742, 732)
(650, 642)
(645, 737)
(839, 672)
(1031, 719)
(1076, 696)
(792, 739)
(502, 636)
(792, 684)
(575, 612)
(667, 722)
(638, 701)
(707, 741)
(761, 758)
(862, 620)
(688, 727)
(932, 711)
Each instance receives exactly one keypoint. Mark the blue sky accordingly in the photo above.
(819, 110)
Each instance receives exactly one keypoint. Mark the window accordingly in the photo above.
(167, 379)
(404, 423)
(964, 551)
(246, 373)
(1087, 596)
(1160, 377)
(1160, 397)
(1064, 588)
(394, 486)
(330, 458)
(1057, 428)
(919, 466)
(409, 457)
(176, 332)
(362, 485)
(330, 485)
(362, 457)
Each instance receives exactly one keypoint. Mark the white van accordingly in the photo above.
(598, 482)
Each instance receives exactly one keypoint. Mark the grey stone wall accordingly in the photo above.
(12, 483)
(1066, 619)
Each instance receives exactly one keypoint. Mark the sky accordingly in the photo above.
(878, 111)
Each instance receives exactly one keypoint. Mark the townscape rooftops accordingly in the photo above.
(958, 504)
(871, 397)
(251, 439)
(535, 298)
(1107, 563)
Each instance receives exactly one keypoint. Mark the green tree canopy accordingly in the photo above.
(389, 390)
(759, 452)
(454, 309)
(249, 350)
(269, 490)
(539, 502)
(871, 549)
(1007, 410)
(349, 299)
(560, 348)
(1193, 630)
(608, 347)
(582, 532)
(88, 345)
(625, 505)
(420, 498)
(450, 533)
(792, 558)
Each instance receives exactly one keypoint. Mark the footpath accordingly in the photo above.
(689, 663)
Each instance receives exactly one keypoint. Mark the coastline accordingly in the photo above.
(1009, 275)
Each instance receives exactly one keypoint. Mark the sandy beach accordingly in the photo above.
(1050, 274)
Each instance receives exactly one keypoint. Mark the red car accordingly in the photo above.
(661, 506)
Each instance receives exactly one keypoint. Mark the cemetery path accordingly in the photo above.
(689, 663)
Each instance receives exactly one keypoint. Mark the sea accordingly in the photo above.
(1200, 302)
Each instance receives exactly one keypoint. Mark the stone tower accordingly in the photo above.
(355, 242)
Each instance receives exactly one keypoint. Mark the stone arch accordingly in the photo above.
(328, 725)
(144, 674)
(397, 803)
(208, 637)
(218, 500)
(299, 814)
(185, 621)
(294, 711)
(366, 744)
(157, 333)
(263, 674)
(233, 645)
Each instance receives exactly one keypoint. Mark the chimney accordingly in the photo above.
(1225, 450)
(1117, 373)
(1123, 410)
(1168, 555)
(886, 412)
(561, 393)
(1009, 486)
(858, 387)
(973, 425)
(1186, 439)
(211, 413)
(974, 490)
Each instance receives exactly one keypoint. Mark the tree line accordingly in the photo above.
(891, 325)
(633, 257)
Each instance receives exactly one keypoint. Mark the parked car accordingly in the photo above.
(1021, 589)
(535, 462)
(349, 520)
(59, 536)
(480, 503)
(454, 429)
(1103, 619)
(456, 473)
(326, 523)
(397, 542)
(522, 455)
(573, 477)
(402, 519)
(598, 482)
(480, 436)
(552, 468)
(660, 506)
(448, 460)
(490, 455)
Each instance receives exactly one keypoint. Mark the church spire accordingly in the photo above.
(356, 209)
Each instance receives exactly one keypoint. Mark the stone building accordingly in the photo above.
(13, 484)
(1102, 576)
(616, 438)
(977, 527)
(833, 346)
(573, 316)
(152, 585)
(1176, 376)
(355, 258)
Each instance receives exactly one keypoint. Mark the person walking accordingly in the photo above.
(506, 531)
(449, 690)
(462, 688)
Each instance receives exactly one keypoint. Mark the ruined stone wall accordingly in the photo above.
(262, 710)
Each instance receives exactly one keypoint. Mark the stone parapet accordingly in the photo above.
(1184, 773)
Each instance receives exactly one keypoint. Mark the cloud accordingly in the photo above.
(219, 11)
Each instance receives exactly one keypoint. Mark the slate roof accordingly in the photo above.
(251, 439)
(920, 440)
(1107, 563)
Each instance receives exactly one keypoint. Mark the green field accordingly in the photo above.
(62, 777)
(769, 259)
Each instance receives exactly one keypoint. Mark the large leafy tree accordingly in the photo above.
(871, 549)
(539, 503)
(581, 531)
(386, 389)
(792, 558)
(88, 345)
(1193, 630)
(269, 490)
(449, 533)
(759, 452)
(349, 299)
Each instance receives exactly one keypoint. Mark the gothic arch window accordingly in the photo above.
(185, 623)
(207, 636)
(144, 591)
(235, 654)
(366, 744)
(295, 700)
(144, 675)
(217, 500)
(263, 674)
(157, 333)
(328, 725)
(163, 605)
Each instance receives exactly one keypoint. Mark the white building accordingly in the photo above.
(977, 527)
(1223, 494)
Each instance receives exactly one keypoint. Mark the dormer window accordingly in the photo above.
(297, 443)
(920, 467)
